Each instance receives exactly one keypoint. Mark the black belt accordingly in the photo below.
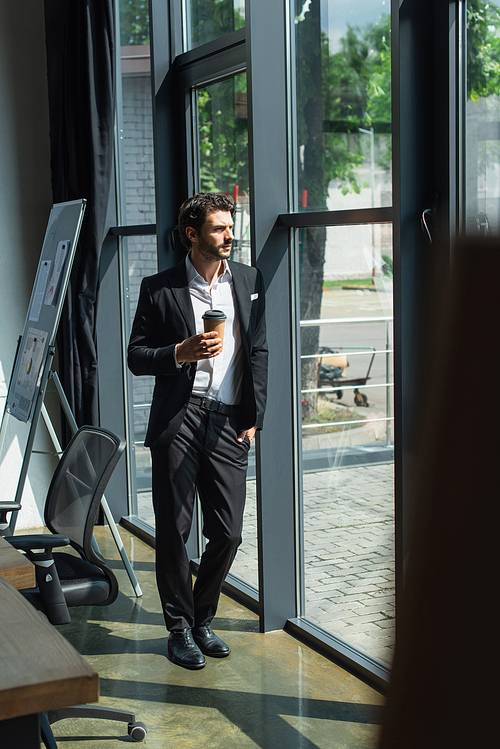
(209, 404)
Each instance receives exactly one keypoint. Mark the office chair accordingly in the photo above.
(82, 579)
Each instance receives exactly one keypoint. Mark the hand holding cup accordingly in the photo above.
(214, 319)
(207, 345)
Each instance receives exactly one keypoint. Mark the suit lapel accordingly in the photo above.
(177, 277)
(180, 290)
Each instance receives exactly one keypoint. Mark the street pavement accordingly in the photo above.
(348, 554)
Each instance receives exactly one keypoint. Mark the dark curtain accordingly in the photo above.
(80, 41)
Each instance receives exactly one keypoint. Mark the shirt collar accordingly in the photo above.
(192, 273)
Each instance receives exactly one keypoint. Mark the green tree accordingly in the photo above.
(483, 49)
(221, 107)
(223, 135)
(211, 19)
(134, 22)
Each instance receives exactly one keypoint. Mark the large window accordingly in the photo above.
(343, 163)
(141, 254)
(347, 443)
(286, 107)
(135, 116)
(222, 135)
(137, 212)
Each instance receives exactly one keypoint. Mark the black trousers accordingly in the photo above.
(205, 455)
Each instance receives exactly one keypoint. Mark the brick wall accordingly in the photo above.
(140, 209)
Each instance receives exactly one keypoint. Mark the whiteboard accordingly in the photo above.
(45, 308)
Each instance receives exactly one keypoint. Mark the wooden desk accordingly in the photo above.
(15, 567)
(39, 671)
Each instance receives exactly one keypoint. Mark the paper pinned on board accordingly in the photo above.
(53, 288)
(41, 285)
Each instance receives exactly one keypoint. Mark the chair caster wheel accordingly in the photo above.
(137, 731)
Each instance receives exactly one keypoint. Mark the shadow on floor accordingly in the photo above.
(261, 717)
(271, 693)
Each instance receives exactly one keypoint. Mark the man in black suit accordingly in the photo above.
(208, 402)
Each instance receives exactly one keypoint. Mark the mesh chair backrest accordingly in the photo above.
(78, 484)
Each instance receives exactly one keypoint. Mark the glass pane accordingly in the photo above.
(245, 565)
(136, 137)
(347, 433)
(223, 151)
(223, 167)
(343, 78)
(482, 190)
(211, 19)
(142, 261)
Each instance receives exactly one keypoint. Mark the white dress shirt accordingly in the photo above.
(220, 377)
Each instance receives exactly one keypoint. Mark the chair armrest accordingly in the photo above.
(5, 508)
(9, 506)
(38, 549)
(47, 541)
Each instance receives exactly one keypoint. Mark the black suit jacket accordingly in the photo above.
(164, 317)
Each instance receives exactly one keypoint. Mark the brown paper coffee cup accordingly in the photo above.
(215, 319)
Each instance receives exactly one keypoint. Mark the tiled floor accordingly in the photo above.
(272, 692)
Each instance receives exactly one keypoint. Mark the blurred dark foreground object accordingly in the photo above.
(444, 683)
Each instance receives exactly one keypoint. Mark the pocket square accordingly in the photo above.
(253, 297)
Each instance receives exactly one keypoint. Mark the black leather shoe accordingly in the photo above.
(209, 643)
(183, 650)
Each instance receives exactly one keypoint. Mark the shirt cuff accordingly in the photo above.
(178, 366)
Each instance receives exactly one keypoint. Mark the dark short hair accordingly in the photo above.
(195, 211)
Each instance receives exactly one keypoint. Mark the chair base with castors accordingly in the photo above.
(136, 730)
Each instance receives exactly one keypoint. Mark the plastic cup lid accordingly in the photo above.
(214, 314)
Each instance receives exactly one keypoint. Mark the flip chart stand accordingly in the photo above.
(32, 367)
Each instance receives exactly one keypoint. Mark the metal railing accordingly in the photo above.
(354, 351)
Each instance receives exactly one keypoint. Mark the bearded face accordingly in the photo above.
(215, 238)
